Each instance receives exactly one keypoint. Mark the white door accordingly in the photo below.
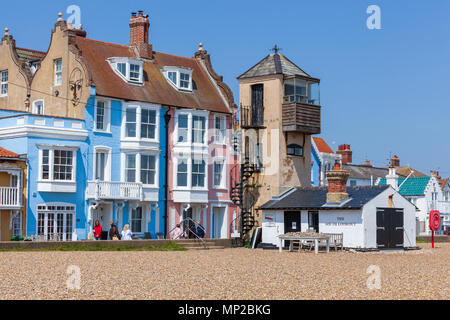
(271, 228)
(220, 223)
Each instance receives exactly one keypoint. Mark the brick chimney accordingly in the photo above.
(139, 27)
(395, 162)
(346, 153)
(337, 184)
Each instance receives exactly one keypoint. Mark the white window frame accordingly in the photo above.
(205, 179)
(51, 160)
(176, 161)
(35, 103)
(137, 169)
(57, 81)
(106, 116)
(16, 215)
(4, 83)
(189, 159)
(108, 152)
(223, 129)
(178, 71)
(139, 108)
(45, 210)
(142, 220)
(223, 180)
(114, 63)
(190, 137)
(205, 133)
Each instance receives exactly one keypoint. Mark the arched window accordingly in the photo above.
(295, 150)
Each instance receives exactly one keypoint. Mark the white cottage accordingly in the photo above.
(373, 217)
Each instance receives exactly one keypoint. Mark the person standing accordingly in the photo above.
(113, 232)
(126, 233)
(200, 230)
(97, 230)
(177, 232)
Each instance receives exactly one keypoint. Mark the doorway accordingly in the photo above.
(313, 221)
(389, 228)
(220, 225)
(104, 214)
(292, 220)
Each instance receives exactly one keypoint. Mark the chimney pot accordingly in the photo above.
(346, 153)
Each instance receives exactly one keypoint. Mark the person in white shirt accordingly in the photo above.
(126, 233)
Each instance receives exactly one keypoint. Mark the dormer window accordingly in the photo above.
(129, 69)
(178, 77)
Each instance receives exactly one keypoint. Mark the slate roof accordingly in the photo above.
(272, 64)
(321, 145)
(405, 171)
(362, 171)
(314, 198)
(414, 186)
(7, 154)
(156, 89)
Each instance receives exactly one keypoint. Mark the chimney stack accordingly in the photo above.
(346, 153)
(337, 184)
(395, 162)
(392, 178)
(139, 28)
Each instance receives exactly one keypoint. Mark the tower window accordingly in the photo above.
(295, 150)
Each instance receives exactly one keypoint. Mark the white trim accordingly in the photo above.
(114, 61)
(55, 72)
(223, 122)
(2, 83)
(178, 71)
(223, 181)
(108, 151)
(106, 115)
(43, 132)
(138, 122)
(137, 170)
(34, 106)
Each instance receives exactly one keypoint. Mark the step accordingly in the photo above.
(207, 248)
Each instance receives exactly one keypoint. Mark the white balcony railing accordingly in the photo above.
(114, 190)
(10, 197)
(442, 206)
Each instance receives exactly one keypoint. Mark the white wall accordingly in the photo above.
(381, 201)
(348, 222)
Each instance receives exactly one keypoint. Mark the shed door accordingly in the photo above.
(389, 228)
(292, 221)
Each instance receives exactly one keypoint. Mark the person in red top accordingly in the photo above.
(97, 230)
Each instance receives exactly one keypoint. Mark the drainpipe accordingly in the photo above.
(167, 117)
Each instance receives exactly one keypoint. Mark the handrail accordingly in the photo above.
(183, 222)
(232, 222)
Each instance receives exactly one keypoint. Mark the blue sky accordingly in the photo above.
(382, 90)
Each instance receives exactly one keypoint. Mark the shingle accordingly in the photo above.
(321, 145)
(316, 198)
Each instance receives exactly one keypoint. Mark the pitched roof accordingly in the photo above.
(414, 186)
(362, 171)
(405, 171)
(7, 154)
(321, 145)
(316, 198)
(156, 89)
(272, 64)
(443, 182)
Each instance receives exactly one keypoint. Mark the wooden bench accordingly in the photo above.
(336, 240)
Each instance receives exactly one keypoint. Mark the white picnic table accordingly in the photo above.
(316, 238)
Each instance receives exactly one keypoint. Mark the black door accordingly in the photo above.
(291, 223)
(389, 228)
(313, 220)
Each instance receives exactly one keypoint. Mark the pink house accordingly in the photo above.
(200, 155)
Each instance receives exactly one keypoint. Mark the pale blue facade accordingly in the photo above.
(69, 208)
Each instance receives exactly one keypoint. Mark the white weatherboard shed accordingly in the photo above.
(364, 218)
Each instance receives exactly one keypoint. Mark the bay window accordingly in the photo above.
(219, 129)
(182, 173)
(183, 128)
(136, 220)
(198, 173)
(141, 123)
(141, 168)
(57, 165)
(198, 129)
(130, 168)
(148, 169)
